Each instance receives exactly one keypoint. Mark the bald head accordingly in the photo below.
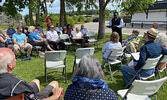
(7, 60)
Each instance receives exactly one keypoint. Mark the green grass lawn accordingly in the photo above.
(34, 69)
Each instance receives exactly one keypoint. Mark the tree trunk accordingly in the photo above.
(31, 17)
(101, 30)
(63, 21)
(38, 13)
(46, 9)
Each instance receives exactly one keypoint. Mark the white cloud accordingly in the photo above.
(2, 2)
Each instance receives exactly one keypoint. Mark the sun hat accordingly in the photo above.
(152, 33)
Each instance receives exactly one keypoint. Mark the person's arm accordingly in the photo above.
(142, 59)
(164, 51)
(121, 24)
(2, 40)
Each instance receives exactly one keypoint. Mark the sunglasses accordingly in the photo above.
(52, 27)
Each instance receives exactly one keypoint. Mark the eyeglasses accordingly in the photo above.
(52, 27)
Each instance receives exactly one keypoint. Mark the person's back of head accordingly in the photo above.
(114, 37)
(89, 67)
(6, 59)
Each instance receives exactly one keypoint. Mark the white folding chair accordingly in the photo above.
(149, 64)
(92, 40)
(55, 60)
(116, 52)
(163, 60)
(142, 90)
(65, 37)
(80, 52)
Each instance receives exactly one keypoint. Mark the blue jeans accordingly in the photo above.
(126, 71)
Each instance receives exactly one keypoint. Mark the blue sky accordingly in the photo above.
(54, 8)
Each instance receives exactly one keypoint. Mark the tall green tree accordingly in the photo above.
(133, 6)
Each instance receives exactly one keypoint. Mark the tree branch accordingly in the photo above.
(107, 1)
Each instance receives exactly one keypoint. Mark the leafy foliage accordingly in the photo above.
(132, 6)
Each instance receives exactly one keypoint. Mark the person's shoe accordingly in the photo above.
(27, 58)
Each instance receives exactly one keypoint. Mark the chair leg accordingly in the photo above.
(73, 67)
(65, 75)
(46, 76)
(63, 72)
(155, 97)
(159, 77)
(110, 71)
(165, 72)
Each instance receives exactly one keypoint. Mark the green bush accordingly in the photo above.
(89, 19)
(81, 19)
(71, 21)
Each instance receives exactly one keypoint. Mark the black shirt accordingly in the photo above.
(11, 86)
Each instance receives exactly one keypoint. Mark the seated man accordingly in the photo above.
(131, 42)
(10, 85)
(54, 39)
(149, 50)
(20, 42)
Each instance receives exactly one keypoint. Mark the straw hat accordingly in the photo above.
(152, 32)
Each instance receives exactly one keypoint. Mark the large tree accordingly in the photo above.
(102, 7)
(63, 20)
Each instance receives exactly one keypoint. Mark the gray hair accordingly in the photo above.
(4, 61)
(89, 67)
(30, 29)
(161, 39)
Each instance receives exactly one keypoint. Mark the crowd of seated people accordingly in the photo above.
(87, 80)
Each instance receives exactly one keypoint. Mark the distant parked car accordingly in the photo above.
(96, 19)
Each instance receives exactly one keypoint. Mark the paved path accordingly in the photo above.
(93, 26)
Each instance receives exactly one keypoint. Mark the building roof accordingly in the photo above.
(159, 5)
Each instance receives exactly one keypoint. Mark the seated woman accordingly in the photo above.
(78, 37)
(131, 42)
(37, 40)
(40, 30)
(69, 30)
(3, 39)
(87, 83)
(84, 31)
(162, 39)
(113, 43)
(59, 29)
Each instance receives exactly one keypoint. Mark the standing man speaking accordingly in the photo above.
(117, 23)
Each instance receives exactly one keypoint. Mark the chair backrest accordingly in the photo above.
(147, 87)
(116, 52)
(17, 97)
(80, 52)
(151, 62)
(90, 34)
(164, 59)
(73, 33)
(64, 36)
(55, 55)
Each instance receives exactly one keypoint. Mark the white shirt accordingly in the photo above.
(77, 35)
(59, 29)
(108, 48)
(52, 35)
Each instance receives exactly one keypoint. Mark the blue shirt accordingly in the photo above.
(83, 31)
(119, 26)
(151, 49)
(33, 36)
(39, 30)
(74, 92)
(10, 32)
(108, 48)
(20, 38)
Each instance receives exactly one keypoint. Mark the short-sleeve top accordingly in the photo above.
(11, 32)
(20, 38)
(75, 92)
(11, 86)
(33, 36)
(1, 43)
(52, 35)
